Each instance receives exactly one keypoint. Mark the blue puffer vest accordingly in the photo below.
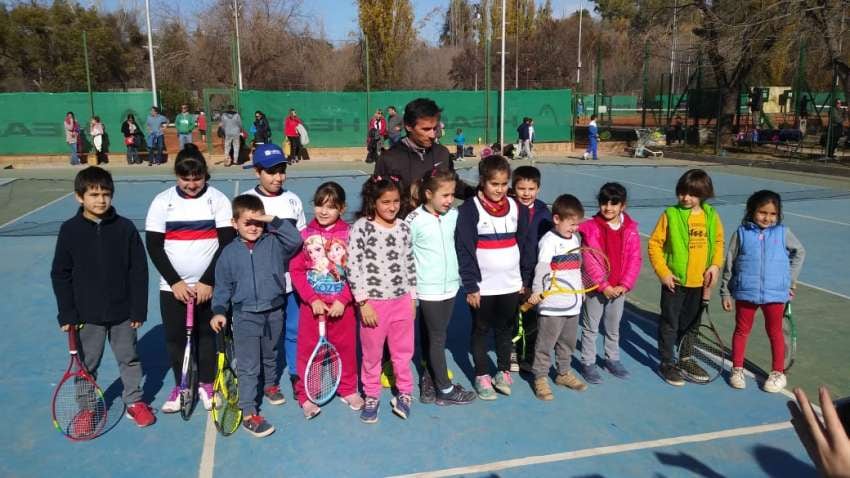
(762, 270)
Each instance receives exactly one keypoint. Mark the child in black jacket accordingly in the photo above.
(100, 279)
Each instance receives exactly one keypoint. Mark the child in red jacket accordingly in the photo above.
(613, 232)
(318, 275)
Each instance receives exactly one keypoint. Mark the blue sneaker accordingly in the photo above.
(401, 405)
(369, 414)
(590, 372)
(616, 369)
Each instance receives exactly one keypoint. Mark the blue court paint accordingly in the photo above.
(336, 443)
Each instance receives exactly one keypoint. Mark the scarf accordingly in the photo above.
(419, 150)
(494, 208)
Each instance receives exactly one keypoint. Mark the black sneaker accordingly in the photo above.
(457, 396)
(671, 374)
(427, 392)
(257, 426)
(690, 369)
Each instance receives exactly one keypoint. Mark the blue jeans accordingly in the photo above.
(132, 154)
(184, 138)
(75, 160)
(155, 145)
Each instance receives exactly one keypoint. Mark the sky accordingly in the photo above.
(339, 17)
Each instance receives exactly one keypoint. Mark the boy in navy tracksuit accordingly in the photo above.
(250, 277)
(100, 279)
(525, 185)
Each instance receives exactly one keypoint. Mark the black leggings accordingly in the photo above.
(434, 317)
(174, 319)
(497, 312)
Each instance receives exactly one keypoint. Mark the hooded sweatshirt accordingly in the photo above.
(318, 270)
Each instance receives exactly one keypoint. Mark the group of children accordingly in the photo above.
(396, 264)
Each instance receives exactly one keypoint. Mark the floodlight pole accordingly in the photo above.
(502, 86)
(578, 64)
(88, 72)
(150, 52)
(238, 52)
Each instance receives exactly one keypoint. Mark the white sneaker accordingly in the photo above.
(205, 394)
(737, 380)
(172, 403)
(775, 382)
(584, 156)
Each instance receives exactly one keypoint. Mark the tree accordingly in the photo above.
(387, 27)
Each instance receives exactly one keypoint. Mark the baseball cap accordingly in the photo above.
(267, 156)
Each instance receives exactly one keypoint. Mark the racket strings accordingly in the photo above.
(79, 409)
(323, 374)
(702, 355)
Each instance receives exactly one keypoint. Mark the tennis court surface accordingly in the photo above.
(637, 427)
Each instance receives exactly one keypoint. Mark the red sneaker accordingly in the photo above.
(82, 425)
(141, 413)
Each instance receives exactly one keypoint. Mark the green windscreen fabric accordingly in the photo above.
(31, 123)
(340, 119)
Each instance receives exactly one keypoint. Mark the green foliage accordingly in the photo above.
(388, 27)
(42, 47)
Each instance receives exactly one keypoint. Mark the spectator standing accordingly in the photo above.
(524, 138)
(231, 123)
(290, 130)
(185, 124)
(96, 131)
(202, 126)
(395, 125)
(72, 136)
(155, 126)
(262, 131)
(375, 136)
(131, 133)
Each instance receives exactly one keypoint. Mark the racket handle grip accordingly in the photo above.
(190, 313)
(322, 330)
(72, 339)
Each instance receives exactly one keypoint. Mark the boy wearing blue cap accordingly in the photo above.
(269, 165)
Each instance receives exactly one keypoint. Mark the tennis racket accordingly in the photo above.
(789, 332)
(79, 411)
(702, 353)
(579, 271)
(324, 369)
(225, 401)
(189, 377)
(520, 333)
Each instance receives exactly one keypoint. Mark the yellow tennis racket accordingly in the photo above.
(579, 271)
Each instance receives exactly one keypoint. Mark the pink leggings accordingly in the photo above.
(745, 313)
(395, 327)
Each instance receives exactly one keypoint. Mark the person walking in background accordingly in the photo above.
(155, 126)
(185, 124)
(231, 124)
(96, 131)
(290, 130)
(592, 140)
(72, 135)
(131, 139)
(395, 125)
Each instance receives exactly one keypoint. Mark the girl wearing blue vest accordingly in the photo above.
(763, 262)
(432, 226)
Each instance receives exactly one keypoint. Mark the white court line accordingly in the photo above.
(815, 218)
(208, 454)
(602, 451)
(5, 181)
(667, 190)
(36, 209)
